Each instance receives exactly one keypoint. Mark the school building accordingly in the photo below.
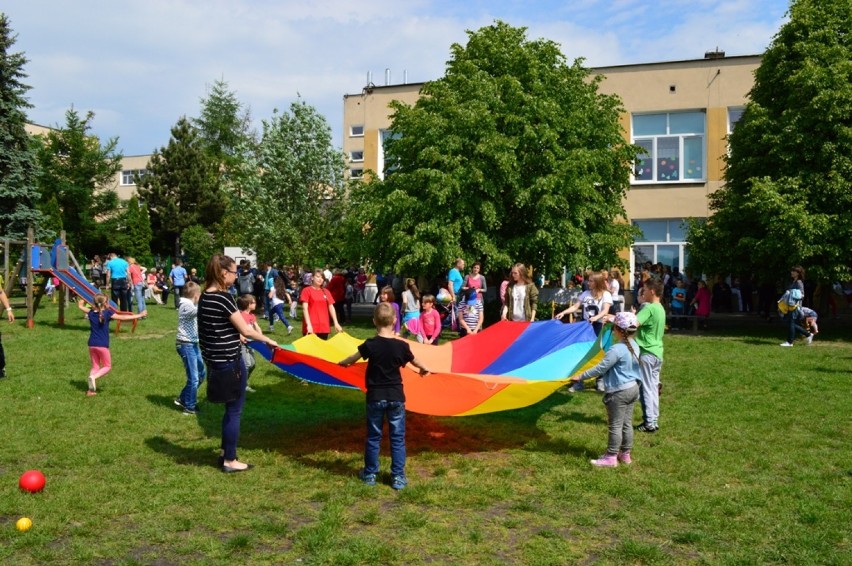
(123, 181)
(679, 112)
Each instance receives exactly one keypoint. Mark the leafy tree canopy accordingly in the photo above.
(18, 193)
(512, 156)
(78, 173)
(224, 126)
(288, 192)
(787, 197)
(132, 232)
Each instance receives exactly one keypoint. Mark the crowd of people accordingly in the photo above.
(131, 285)
(219, 314)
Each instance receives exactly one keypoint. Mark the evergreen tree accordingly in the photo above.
(181, 188)
(787, 197)
(512, 156)
(134, 236)
(18, 194)
(224, 127)
(51, 218)
(79, 173)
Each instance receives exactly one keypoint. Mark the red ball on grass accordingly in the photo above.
(32, 481)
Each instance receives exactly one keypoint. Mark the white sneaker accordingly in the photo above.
(289, 330)
(810, 339)
(786, 345)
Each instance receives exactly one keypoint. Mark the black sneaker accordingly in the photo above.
(192, 411)
(179, 403)
(644, 427)
(3, 372)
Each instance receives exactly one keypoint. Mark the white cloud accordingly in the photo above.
(141, 65)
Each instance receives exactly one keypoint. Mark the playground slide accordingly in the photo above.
(78, 284)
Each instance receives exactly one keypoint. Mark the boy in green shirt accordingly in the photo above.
(652, 324)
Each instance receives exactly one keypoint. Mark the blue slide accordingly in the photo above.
(78, 284)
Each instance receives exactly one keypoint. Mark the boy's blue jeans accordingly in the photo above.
(195, 373)
(376, 411)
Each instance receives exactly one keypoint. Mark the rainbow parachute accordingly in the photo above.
(507, 366)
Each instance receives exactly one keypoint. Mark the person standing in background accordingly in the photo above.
(11, 316)
(116, 279)
(455, 280)
(178, 278)
(137, 283)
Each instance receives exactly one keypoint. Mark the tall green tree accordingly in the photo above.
(225, 131)
(787, 197)
(512, 156)
(132, 234)
(79, 173)
(181, 188)
(291, 188)
(18, 193)
(199, 245)
(224, 127)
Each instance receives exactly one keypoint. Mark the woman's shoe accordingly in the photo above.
(230, 470)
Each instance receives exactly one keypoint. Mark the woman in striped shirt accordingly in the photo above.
(219, 327)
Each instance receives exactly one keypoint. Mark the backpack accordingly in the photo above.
(245, 283)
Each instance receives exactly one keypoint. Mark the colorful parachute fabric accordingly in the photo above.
(507, 366)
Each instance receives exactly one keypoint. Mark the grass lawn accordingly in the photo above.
(752, 464)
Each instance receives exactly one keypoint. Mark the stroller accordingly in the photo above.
(448, 313)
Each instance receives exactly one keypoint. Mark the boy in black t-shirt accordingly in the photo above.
(385, 355)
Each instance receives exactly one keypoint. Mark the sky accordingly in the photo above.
(142, 65)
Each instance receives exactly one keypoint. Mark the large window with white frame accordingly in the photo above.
(661, 241)
(734, 116)
(673, 145)
(385, 167)
(128, 176)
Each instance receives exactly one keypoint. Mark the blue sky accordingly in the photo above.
(140, 66)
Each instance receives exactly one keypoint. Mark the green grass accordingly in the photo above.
(752, 464)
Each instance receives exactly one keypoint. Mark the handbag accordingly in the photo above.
(224, 385)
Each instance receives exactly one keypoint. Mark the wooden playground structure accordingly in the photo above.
(36, 264)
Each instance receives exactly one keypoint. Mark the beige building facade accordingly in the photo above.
(679, 112)
(123, 182)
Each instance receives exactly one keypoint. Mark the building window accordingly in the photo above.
(734, 115)
(661, 241)
(356, 173)
(385, 166)
(128, 176)
(672, 230)
(356, 156)
(356, 131)
(673, 147)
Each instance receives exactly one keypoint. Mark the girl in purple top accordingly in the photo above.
(387, 296)
(99, 316)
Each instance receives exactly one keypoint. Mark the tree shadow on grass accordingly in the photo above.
(323, 427)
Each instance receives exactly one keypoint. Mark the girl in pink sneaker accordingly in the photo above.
(99, 316)
(621, 378)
